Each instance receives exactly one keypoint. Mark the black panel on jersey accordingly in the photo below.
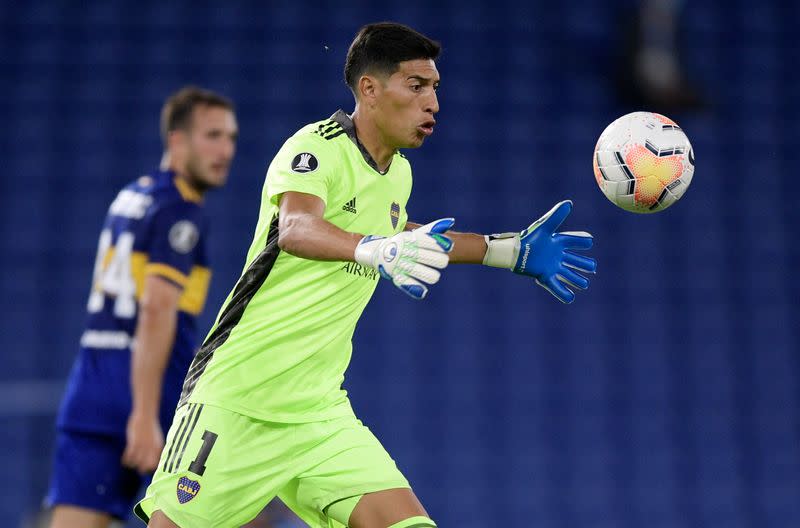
(245, 289)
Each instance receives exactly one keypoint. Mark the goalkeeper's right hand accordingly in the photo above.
(411, 259)
(545, 255)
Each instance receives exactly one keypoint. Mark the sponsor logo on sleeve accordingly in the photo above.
(305, 162)
(183, 236)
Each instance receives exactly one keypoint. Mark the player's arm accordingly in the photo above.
(468, 248)
(153, 340)
(411, 260)
(538, 251)
(303, 232)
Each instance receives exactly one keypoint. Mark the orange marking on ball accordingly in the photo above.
(597, 175)
(652, 173)
(665, 119)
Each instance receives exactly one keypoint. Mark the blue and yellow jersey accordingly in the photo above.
(155, 226)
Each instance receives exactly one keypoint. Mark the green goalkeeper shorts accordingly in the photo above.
(219, 468)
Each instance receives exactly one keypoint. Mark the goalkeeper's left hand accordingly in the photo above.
(540, 252)
(410, 259)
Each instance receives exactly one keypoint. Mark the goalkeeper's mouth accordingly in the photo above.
(426, 128)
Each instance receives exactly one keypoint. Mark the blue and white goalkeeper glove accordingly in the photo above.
(411, 259)
(542, 253)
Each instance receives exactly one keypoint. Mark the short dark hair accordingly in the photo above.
(179, 107)
(381, 47)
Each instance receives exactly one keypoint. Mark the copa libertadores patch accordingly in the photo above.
(305, 162)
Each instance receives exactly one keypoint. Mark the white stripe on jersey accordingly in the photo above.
(105, 339)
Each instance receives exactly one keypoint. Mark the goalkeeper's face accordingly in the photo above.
(210, 145)
(406, 103)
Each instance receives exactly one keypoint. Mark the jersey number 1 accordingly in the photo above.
(198, 465)
(113, 276)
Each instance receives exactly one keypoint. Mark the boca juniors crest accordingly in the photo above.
(187, 489)
(394, 214)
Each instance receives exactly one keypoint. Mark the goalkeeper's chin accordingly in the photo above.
(416, 142)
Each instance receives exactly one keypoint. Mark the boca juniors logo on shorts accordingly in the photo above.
(187, 489)
(394, 214)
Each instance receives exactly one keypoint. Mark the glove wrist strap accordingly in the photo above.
(365, 250)
(501, 251)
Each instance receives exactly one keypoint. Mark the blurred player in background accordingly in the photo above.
(263, 412)
(652, 73)
(150, 282)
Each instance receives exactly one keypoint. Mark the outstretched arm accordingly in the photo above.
(538, 251)
(468, 248)
(303, 232)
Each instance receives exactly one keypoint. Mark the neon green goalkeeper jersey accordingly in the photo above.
(282, 340)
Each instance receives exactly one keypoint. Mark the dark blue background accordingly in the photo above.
(666, 396)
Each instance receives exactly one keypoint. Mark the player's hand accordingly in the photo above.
(542, 253)
(411, 259)
(145, 440)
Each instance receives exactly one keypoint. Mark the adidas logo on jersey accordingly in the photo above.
(350, 206)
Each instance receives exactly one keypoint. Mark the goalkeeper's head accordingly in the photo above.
(392, 73)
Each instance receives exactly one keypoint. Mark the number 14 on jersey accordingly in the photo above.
(113, 275)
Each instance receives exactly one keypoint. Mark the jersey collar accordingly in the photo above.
(349, 128)
(186, 191)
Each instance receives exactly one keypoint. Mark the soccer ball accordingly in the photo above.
(643, 162)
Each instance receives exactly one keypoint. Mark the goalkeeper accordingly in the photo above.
(262, 411)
